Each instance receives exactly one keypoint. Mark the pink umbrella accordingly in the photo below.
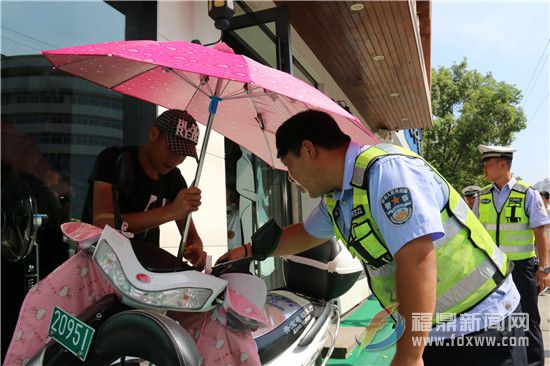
(250, 100)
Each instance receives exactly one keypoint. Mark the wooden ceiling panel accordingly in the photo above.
(347, 41)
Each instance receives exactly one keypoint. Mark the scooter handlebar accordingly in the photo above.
(240, 265)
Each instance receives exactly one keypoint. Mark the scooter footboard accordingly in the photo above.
(147, 335)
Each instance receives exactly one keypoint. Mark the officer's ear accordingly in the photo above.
(309, 149)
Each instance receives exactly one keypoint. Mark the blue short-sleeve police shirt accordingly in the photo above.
(405, 197)
(534, 205)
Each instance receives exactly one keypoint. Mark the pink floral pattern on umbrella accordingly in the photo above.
(254, 99)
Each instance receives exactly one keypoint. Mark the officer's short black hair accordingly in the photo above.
(315, 126)
(545, 195)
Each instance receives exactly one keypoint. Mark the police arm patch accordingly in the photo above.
(397, 205)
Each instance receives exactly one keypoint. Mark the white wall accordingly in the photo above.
(185, 21)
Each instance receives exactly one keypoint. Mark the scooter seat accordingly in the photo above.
(147, 335)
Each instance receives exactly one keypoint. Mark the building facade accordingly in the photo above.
(373, 58)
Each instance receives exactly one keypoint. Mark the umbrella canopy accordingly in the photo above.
(250, 100)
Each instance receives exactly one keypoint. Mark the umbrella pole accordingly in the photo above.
(213, 106)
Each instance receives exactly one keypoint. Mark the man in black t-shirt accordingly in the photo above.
(159, 193)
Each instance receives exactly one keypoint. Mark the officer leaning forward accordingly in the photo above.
(514, 215)
(424, 250)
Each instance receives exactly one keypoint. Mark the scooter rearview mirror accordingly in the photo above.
(266, 239)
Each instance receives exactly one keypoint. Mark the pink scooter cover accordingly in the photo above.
(79, 283)
(73, 286)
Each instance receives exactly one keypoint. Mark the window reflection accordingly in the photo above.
(68, 120)
(53, 125)
(254, 195)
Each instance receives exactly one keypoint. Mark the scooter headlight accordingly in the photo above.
(188, 298)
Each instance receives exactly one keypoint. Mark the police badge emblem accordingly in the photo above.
(397, 205)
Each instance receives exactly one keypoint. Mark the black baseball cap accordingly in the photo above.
(181, 131)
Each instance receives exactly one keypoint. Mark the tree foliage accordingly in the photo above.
(469, 109)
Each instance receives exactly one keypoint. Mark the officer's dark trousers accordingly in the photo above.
(503, 347)
(524, 278)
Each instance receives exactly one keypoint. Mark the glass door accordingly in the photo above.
(255, 191)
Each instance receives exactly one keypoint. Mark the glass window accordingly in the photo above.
(255, 193)
(54, 125)
(35, 97)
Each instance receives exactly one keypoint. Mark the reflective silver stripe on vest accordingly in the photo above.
(358, 176)
(359, 173)
(519, 188)
(516, 237)
(384, 271)
(451, 228)
(465, 287)
(485, 191)
(461, 211)
(507, 227)
(498, 257)
(517, 248)
(391, 149)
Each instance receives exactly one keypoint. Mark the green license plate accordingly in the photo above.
(71, 333)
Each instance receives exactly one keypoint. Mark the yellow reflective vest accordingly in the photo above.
(509, 228)
(469, 264)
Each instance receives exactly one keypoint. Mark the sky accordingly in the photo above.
(511, 40)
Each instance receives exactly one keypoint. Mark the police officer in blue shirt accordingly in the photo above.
(411, 229)
(514, 214)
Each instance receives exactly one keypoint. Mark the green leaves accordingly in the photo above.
(469, 109)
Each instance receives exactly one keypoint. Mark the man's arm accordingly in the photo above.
(193, 251)
(541, 242)
(294, 239)
(187, 200)
(415, 283)
(536, 210)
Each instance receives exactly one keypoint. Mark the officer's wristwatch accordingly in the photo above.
(546, 269)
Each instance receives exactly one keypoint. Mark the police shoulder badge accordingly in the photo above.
(397, 205)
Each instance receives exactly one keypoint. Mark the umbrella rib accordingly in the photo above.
(132, 77)
(110, 87)
(185, 78)
(296, 109)
(226, 85)
(82, 60)
(262, 128)
(208, 86)
(242, 92)
(252, 96)
(289, 113)
(191, 99)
